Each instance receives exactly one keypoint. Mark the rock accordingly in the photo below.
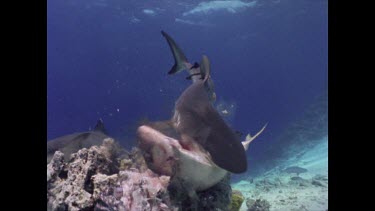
(295, 169)
(237, 200)
(318, 183)
(320, 177)
(299, 181)
(303, 184)
(249, 202)
(269, 182)
(258, 205)
(292, 197)
(217, 197)
(297, 178)
(300, 208)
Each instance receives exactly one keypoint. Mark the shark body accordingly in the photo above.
(195, 145)
(71, 143)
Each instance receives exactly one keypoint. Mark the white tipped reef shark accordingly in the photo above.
(196, 146)
(71, 143)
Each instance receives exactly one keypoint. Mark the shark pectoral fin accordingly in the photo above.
(181, 63)
(250, 138)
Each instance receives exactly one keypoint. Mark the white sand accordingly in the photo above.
(286, 195)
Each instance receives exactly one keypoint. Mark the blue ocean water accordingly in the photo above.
(107, 59)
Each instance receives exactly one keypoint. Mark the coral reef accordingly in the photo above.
(133, 160)
(237, 200)
(105, 178)
(69, 185)
(131, 190)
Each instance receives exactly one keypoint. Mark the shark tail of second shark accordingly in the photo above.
(250, 138)
(181, 63)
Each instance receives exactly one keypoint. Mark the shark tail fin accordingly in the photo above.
(100, 126)
(250, 138)
(181, 63)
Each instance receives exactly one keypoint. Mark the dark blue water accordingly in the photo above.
(107, 59)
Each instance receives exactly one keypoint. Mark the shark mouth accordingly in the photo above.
(163, 153)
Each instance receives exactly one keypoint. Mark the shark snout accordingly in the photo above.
(160, 147)
(144, 133)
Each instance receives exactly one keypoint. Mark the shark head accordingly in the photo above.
(182, 158)
(169, 153)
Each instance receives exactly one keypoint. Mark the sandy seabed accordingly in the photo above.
(289, 192)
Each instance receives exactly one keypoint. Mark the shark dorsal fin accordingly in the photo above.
(206, 76)
(100, 127)
(205, 68)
